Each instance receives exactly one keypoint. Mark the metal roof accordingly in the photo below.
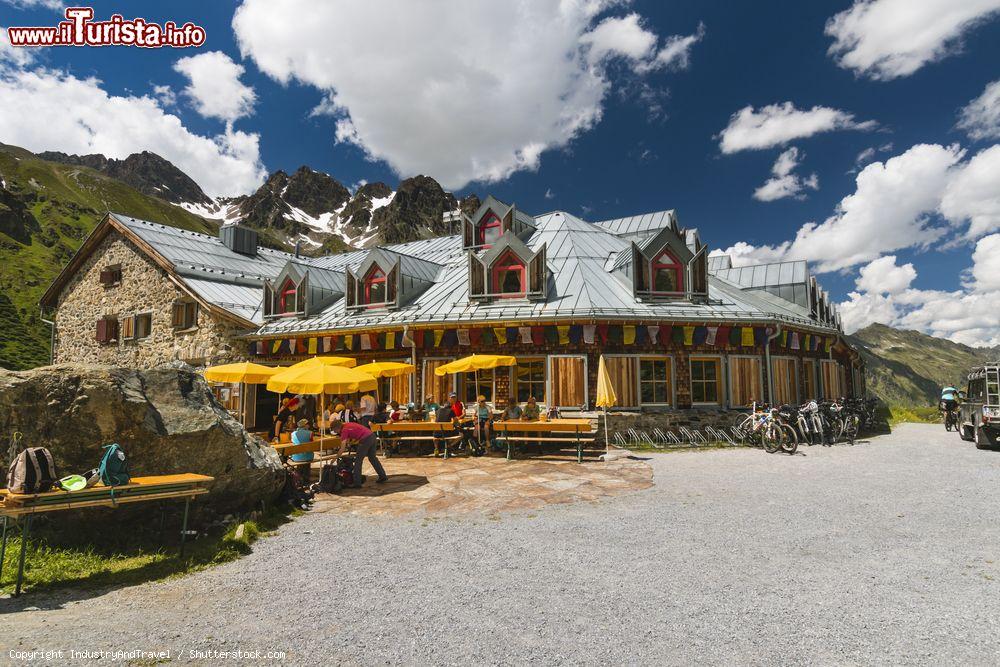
(717, 262)
(646, 223)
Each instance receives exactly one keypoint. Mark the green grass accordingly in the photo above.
(59, 556)
(917, 415)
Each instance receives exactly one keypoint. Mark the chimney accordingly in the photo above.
(451, 217)
(239, 239)
(298, 248)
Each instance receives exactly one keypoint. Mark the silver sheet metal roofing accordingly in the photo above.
(577, 254)
(579, 288)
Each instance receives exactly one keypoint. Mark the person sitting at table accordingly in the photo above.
(484, 422)
(395, 412)
(367, 409)
(431, 406)
(352, 433)
(280, 418)
(301, 436)
(531, 411)
(416, 413)
(457, 407)
(512, 412)
(346, 412)
(444, 415)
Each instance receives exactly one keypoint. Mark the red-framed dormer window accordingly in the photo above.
(375, 286)
(667, 273)
(509, 276)
(489, 230)
(288, 298)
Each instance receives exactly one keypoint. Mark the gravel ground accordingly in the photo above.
(884, 552)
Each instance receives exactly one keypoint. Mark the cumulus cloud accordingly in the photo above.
(777, 124)
(78, 116)
(427, 94)
(980, 118)
(970, 315)
(884, 276)
(973, 194)
(214, 86)
(783, 183)
(889, 210)
(676, 52)
(55, 5)
(888, 39)
(13, 55)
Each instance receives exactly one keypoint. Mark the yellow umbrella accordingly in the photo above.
(475, 362)
(320, 379)
(606, 396)
(346, 362)
(386, 369)
(243, 372)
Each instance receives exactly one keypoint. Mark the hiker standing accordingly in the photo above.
(366, 446)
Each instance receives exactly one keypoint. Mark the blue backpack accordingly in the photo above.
(114, 466)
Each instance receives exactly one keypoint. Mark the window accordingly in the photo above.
(623, 372)
(655, 384)
(107, 329)
(143, 325)
(111, 275)
(569, 381)
(831, 380)
(184, 315)
(745, 381)
(127, 327)
(436, 386)
(810, 368)
(375, 286)
(489, 230)
(667, 273)
(288, 298)
(784, 381)
(529, 379)
(706, 380)
(509, 276)
(472, 388)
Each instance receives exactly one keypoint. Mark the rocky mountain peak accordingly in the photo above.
(315, 192)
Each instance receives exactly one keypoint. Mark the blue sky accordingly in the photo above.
(631, 127)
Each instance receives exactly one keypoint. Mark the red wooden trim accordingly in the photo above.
(674, 265)
(375, 276)
(489, 221)
(509, 262)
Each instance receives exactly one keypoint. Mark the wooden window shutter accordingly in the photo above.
(468, 232)
(640, 270)
(507, 223)
(112, 328)
(267, 307)
(392, 285)
(537, 274)
(300, 294)
(351, 294)
(177, 315)
(102, 330)
(105, 277)
(477, 277)
(128, 328)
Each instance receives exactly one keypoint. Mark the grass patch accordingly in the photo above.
(917, 415)
(59, 557)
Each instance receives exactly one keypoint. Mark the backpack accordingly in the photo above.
(33, 471)
(114, 466)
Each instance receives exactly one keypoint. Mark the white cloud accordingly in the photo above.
(884, 276)
(887, 39)
(78, 116)
(549, 194)
(973, 194)
(215, 88)
(777, 124)
(889, 210)
(676, 51)
(980, 118)
(986, 264)
(18, 56)
(970, 315)
(427, 93)
(165, 95)
(55, 5)
(783, 183)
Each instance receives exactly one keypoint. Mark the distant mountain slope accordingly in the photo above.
(46, 210)
(908, 368)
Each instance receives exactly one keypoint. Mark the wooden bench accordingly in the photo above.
(424, 432)
(577, 431)
(327, 443)
(139, 489)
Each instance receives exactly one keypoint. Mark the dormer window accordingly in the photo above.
(490, 230)
(375, 287)
(668, 274)
(288, 298)
(509, 276)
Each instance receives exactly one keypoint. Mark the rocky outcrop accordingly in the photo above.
(16, 221)
(166, 419)
(314, 192)
(416, 211)
(147, 172)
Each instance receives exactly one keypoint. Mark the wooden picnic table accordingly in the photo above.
(575, 427)
(139, 489)
(445, 431)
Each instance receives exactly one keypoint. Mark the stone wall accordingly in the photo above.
(144, 288)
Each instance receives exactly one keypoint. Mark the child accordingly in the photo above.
(395, 414)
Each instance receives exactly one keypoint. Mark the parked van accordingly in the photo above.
(979, 414)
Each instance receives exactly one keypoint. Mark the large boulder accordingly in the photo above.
(166, 419)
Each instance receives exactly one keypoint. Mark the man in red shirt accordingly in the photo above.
(457, 407)
(351, 432)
